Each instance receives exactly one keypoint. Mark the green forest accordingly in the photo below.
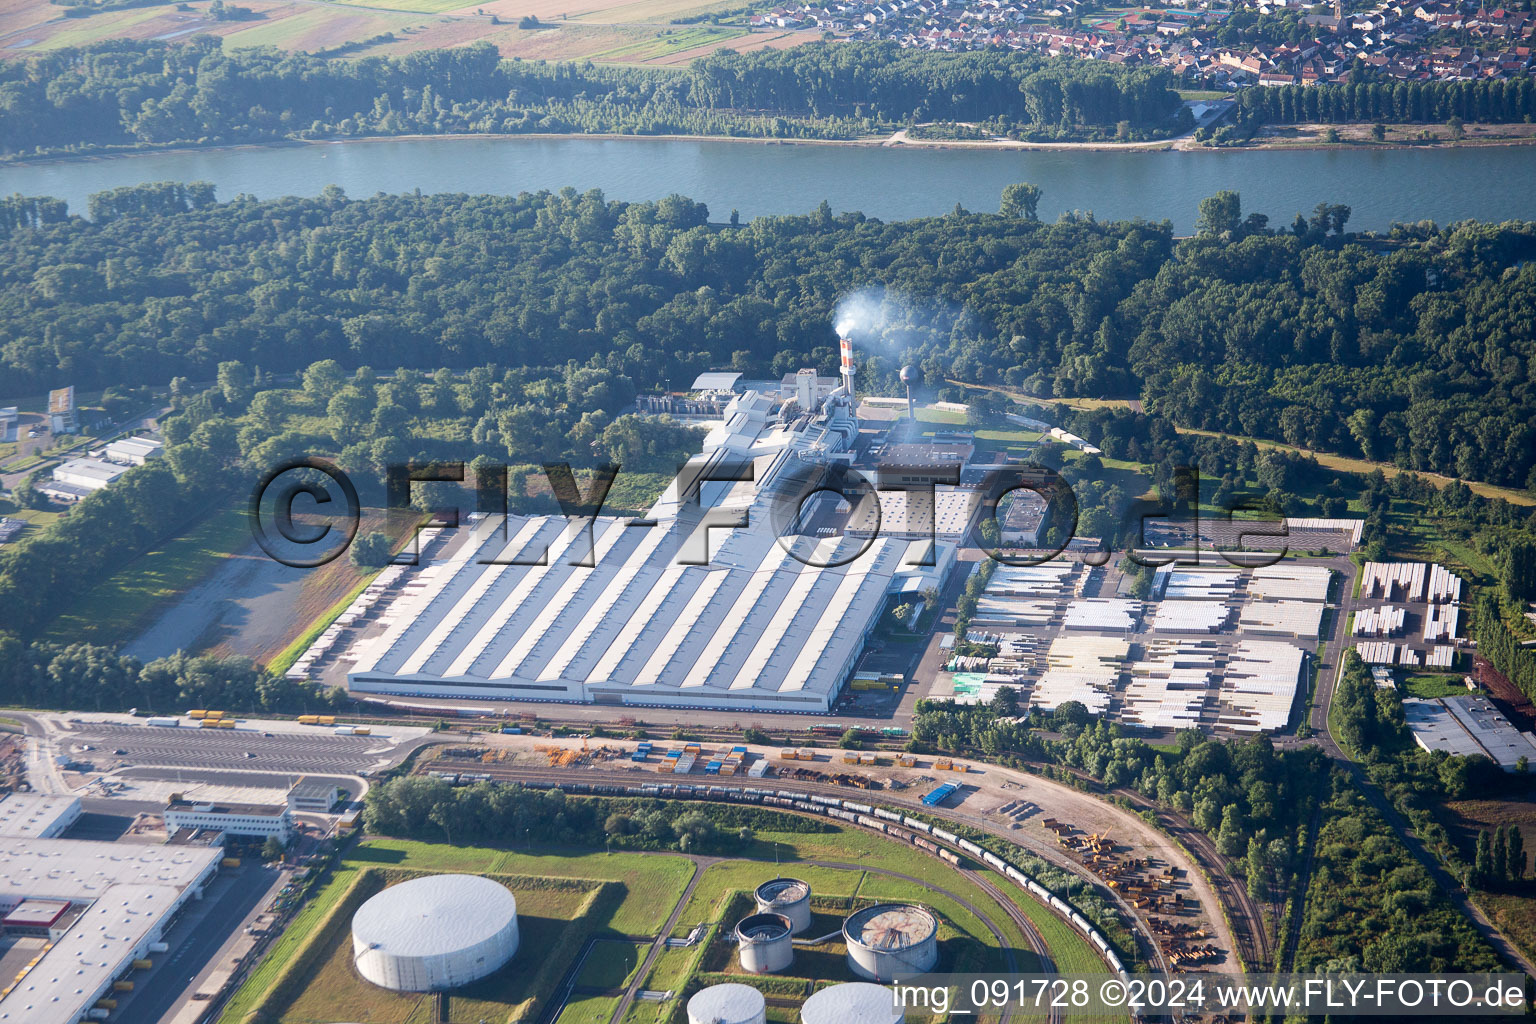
(125, 93)
(1412, 348)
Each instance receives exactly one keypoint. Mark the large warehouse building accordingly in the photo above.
(101, 906)
(711, 600)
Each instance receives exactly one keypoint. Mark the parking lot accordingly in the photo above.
(108, 746)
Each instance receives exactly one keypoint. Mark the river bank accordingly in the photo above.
(1287, 137)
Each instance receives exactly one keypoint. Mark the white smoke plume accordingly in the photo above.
(886, 320)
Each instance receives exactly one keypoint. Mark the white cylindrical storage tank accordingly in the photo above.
(434, 933)
(763, 943)
(856, 1002)
(727, 1004)
(891, 940)
(790, 897)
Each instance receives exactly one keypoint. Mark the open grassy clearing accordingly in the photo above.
(1433, 684)
(611, 965)
(588, 1010)
(118, 606)
(650, 880)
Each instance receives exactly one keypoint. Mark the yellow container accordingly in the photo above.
(325, 719)
(230, 862)
(122, 986)
(362, 730)
(197, 713)
(106, 1004)
(143, 965)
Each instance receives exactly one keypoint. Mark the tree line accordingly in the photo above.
(134, 93)
(1488, 100)
(426, 807)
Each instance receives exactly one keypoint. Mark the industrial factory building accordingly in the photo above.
(727, 594)
(102, 906)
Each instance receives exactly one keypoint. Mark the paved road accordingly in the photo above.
(196, 941)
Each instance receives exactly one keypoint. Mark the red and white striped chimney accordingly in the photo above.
(846, 347)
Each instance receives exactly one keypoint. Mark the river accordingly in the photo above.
(1381, 185)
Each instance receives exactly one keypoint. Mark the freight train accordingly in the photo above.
(909, 830)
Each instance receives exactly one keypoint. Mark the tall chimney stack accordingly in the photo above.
(846, 348)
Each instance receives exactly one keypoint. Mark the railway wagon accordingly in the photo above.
(868, 822)
(921, 826)
(881, 812)
(948, 837)
(969, 847)
(1081, 922)
(927, 844)
(860, 808)
(1039, 891)
(900, 833)
(993, 859)
(830, 801)
(1098, 940)
(1059, 905)
(1016, 876)
(949, 856)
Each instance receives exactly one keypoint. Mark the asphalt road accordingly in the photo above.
(195, 941)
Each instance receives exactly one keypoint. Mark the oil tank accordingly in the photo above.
(891, 940)
(790, 897)
(434, 933)
(763, 943)
(856, 1002)
(727, 1004)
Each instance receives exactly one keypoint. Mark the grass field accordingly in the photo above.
(566, 897)
(650, 880)
(1433, 684)
(116, 608)
(611, 965)
(588, 1010)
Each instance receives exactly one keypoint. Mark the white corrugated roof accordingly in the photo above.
(434, 915)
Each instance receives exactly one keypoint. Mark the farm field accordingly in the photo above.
(623, 31)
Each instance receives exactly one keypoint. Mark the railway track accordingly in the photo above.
(634, 780)
(1031, 934)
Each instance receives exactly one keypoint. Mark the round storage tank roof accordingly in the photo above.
(780, 891)
(727, 1004)
(857, 1002)
(891, 926)
(436, 932)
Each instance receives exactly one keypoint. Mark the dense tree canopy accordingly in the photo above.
(135, 93)
(1413, 349)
